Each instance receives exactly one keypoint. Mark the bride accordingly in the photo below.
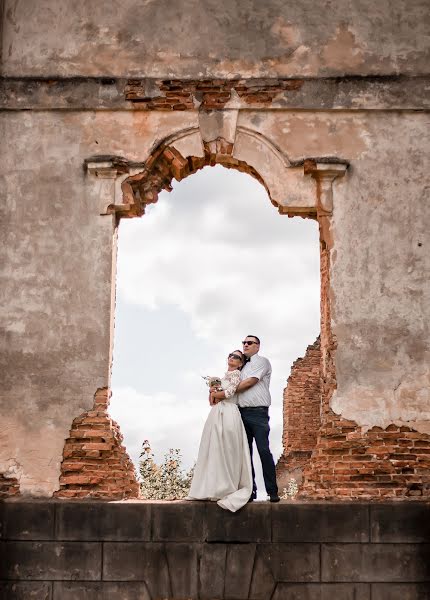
(223, 469)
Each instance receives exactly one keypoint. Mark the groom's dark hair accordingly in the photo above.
(255, 338)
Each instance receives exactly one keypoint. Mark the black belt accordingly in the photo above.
(253, 407)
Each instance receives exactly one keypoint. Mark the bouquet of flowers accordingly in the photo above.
(212, 381)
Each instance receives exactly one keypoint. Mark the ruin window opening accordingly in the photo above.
(292, 243)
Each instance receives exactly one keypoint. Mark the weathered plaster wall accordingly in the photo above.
(195, 38)
(380, 279)
(55, 332)
(380, 260)
(56, 276)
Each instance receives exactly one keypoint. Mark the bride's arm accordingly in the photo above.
(230, 390)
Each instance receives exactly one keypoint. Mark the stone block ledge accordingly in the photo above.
(151, 550)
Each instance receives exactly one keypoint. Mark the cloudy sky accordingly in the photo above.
(210, 263)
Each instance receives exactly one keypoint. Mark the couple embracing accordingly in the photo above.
(224, 471)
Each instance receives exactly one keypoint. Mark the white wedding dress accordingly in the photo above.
(223, 469)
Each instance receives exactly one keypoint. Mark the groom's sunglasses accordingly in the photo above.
(235, 356)
(248, 342)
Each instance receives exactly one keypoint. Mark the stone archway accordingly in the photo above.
(289, 185)
(95, 464)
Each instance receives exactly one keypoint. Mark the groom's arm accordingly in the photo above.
(243, 385)
(260, 368)
(246, 384)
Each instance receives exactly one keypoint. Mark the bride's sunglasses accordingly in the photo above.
(235, 356)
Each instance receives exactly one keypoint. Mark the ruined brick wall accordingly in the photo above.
(301, 412)
(380, 463)
(349, 462)
(95, 463)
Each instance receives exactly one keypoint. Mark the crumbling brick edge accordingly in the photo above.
(9, 486)
(95, 463)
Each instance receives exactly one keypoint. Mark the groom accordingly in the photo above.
(254, 402)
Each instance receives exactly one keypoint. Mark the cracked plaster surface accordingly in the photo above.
(35, 456)
(379, 278)
(248, 38)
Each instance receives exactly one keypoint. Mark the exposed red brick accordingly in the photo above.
(95, 463)
(166, 164)
(9, 486)
(301, 412)
(379, 463)
(348, 462)
(207, 94)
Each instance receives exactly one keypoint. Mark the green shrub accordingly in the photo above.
(166, 481)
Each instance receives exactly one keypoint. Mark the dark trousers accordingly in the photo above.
(256, 422)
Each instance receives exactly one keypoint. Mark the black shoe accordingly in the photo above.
(274, 498)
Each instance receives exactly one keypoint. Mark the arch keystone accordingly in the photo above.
(218, 130)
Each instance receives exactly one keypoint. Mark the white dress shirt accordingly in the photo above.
(258, 394)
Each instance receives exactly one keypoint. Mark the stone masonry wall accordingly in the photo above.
(301, 412)
(95, 464)
(195, 550)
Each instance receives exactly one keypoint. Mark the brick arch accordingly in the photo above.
(165, 164)
(186, 152)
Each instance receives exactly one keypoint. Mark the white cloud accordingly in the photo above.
(225, 261)
(172, 419)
